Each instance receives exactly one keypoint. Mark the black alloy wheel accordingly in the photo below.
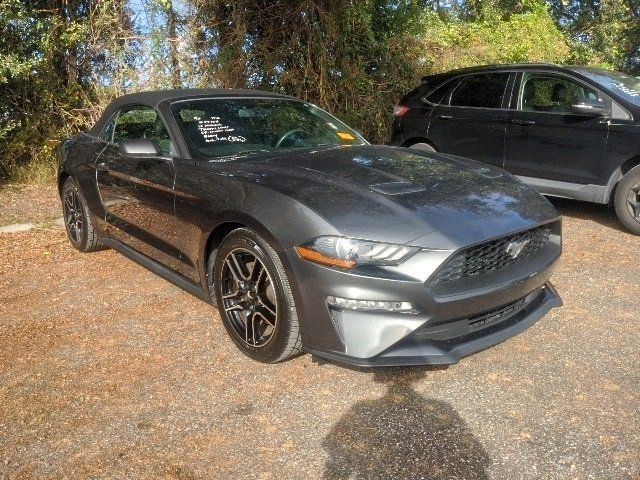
(73, 215)
(77, 221)
(248, 297)
(251, 289)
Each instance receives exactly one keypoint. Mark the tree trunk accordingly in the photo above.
(71, 61)
(173, 46)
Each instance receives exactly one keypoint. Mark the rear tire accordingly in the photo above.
(254, 297)
(77, 220)
(425, 147)
(627, 200)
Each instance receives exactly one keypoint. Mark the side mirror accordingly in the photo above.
(139, 147)
(594, 108)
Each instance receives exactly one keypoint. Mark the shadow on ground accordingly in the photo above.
(603, 214)
(403, 435)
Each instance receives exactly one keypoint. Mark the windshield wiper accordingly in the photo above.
(258, 150)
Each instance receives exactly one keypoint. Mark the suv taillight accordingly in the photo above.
(400, 111)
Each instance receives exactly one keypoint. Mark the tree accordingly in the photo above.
(61, 61)
(48, 52)
(490, 33)
(602, 32)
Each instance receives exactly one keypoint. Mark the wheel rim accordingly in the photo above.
(249, 298)
(73, 215)
(633, 202)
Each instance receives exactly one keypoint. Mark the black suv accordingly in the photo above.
(567, 131)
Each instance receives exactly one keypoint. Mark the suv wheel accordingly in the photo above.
(627, 200)
(425, 147)
(254, 298)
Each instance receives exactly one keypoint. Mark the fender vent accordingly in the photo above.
(396, 188)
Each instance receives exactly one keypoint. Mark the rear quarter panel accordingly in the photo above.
(415, 123)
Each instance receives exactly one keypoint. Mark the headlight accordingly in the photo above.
(347, 252)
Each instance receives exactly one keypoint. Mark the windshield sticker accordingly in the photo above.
(345, 136)
(214, 131)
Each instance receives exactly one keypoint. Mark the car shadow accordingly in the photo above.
(603, 214)
(403, 435)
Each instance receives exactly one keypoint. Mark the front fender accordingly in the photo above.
(273, 231)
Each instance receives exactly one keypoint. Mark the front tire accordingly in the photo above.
(627, 200)
(254, 297)
(77, 220)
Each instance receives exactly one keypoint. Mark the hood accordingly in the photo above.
(403, 196)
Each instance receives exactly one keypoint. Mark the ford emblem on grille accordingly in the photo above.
(515, 248)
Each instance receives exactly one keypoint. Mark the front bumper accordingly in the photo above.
(434, 346)
(448, 322)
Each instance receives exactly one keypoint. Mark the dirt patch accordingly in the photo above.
(107, 371)
(29, 204)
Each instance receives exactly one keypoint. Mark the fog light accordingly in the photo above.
(369, 305)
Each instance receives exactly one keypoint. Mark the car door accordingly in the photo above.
(546, 140)
(470, 120)
(137, 191)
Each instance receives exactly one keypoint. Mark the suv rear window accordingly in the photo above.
(484, 90)
(439, 94)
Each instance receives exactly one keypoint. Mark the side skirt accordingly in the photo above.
(576, 191)
(159, 269)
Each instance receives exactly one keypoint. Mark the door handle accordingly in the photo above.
(102, 167)
(445, 117)
(520, 121)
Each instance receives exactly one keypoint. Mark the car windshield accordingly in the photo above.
(626, 86)
(223, 127)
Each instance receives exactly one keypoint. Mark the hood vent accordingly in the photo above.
(396, 188)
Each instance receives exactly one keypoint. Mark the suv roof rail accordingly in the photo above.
(494, 66)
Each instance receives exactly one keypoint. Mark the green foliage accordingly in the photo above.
(48, 77)
(528, 36)
(354, 59)
(61, 62)
(604, 33)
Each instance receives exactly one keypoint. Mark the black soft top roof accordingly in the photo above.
(155, 97)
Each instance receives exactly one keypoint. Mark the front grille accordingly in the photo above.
(495, 316)
(494, 255)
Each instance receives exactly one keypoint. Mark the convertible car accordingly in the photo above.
(307, 238)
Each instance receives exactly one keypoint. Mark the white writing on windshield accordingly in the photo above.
(215, 131)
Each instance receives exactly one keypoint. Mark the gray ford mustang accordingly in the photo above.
(306, 237)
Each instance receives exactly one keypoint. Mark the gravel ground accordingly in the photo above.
(107, 371)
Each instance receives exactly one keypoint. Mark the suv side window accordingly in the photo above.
(552, 93)
(483, 90)
(143, 122)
